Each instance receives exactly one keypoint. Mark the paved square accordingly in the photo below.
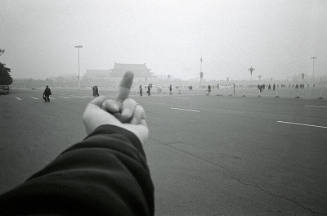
(208, 155)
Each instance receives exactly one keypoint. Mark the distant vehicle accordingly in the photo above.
(4, 89)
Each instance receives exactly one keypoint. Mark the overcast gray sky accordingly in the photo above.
(277, 37)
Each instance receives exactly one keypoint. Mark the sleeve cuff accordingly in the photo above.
(111, 129)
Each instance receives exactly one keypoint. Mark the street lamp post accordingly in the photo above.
(201, 73)
(251, 69)
(313, 69)
(78, 62)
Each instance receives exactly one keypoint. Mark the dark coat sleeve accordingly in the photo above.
(105, 174)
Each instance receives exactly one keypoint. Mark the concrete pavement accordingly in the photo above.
(208, 155)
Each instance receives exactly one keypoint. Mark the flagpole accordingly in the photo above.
(201, 73)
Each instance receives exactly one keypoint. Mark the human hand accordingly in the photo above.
(123, 112)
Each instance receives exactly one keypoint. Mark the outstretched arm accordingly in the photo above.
(105, 174)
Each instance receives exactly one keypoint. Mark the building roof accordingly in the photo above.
(95, 73)
(130, 66)
(139, 70)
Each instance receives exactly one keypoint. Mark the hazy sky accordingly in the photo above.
(277, 37)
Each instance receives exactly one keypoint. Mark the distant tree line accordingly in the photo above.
(5, 78)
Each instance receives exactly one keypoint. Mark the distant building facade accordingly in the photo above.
(139, 70)
(111, 78)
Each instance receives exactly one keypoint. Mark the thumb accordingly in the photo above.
(98, 101)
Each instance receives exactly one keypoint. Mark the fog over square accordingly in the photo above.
(276, 37)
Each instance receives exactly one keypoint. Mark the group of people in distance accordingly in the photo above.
(263, 86)
(148, 87)
(274, 86)
(170, 88)
(95, 91)
(47, 92)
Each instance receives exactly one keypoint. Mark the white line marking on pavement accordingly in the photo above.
(188, 110)
(18, 98)
(302, 124)
(76, 96)
(35, 98)
(167, 95)
(316, 106)
(159, 103)
(85, 96)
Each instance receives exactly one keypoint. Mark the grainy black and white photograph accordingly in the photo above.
(163, 107)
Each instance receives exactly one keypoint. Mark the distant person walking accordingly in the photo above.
(95, 91)
(260, 87)
(46, 94)
(149, 90)
(170, 89)
(141, 90)
(209, 89)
